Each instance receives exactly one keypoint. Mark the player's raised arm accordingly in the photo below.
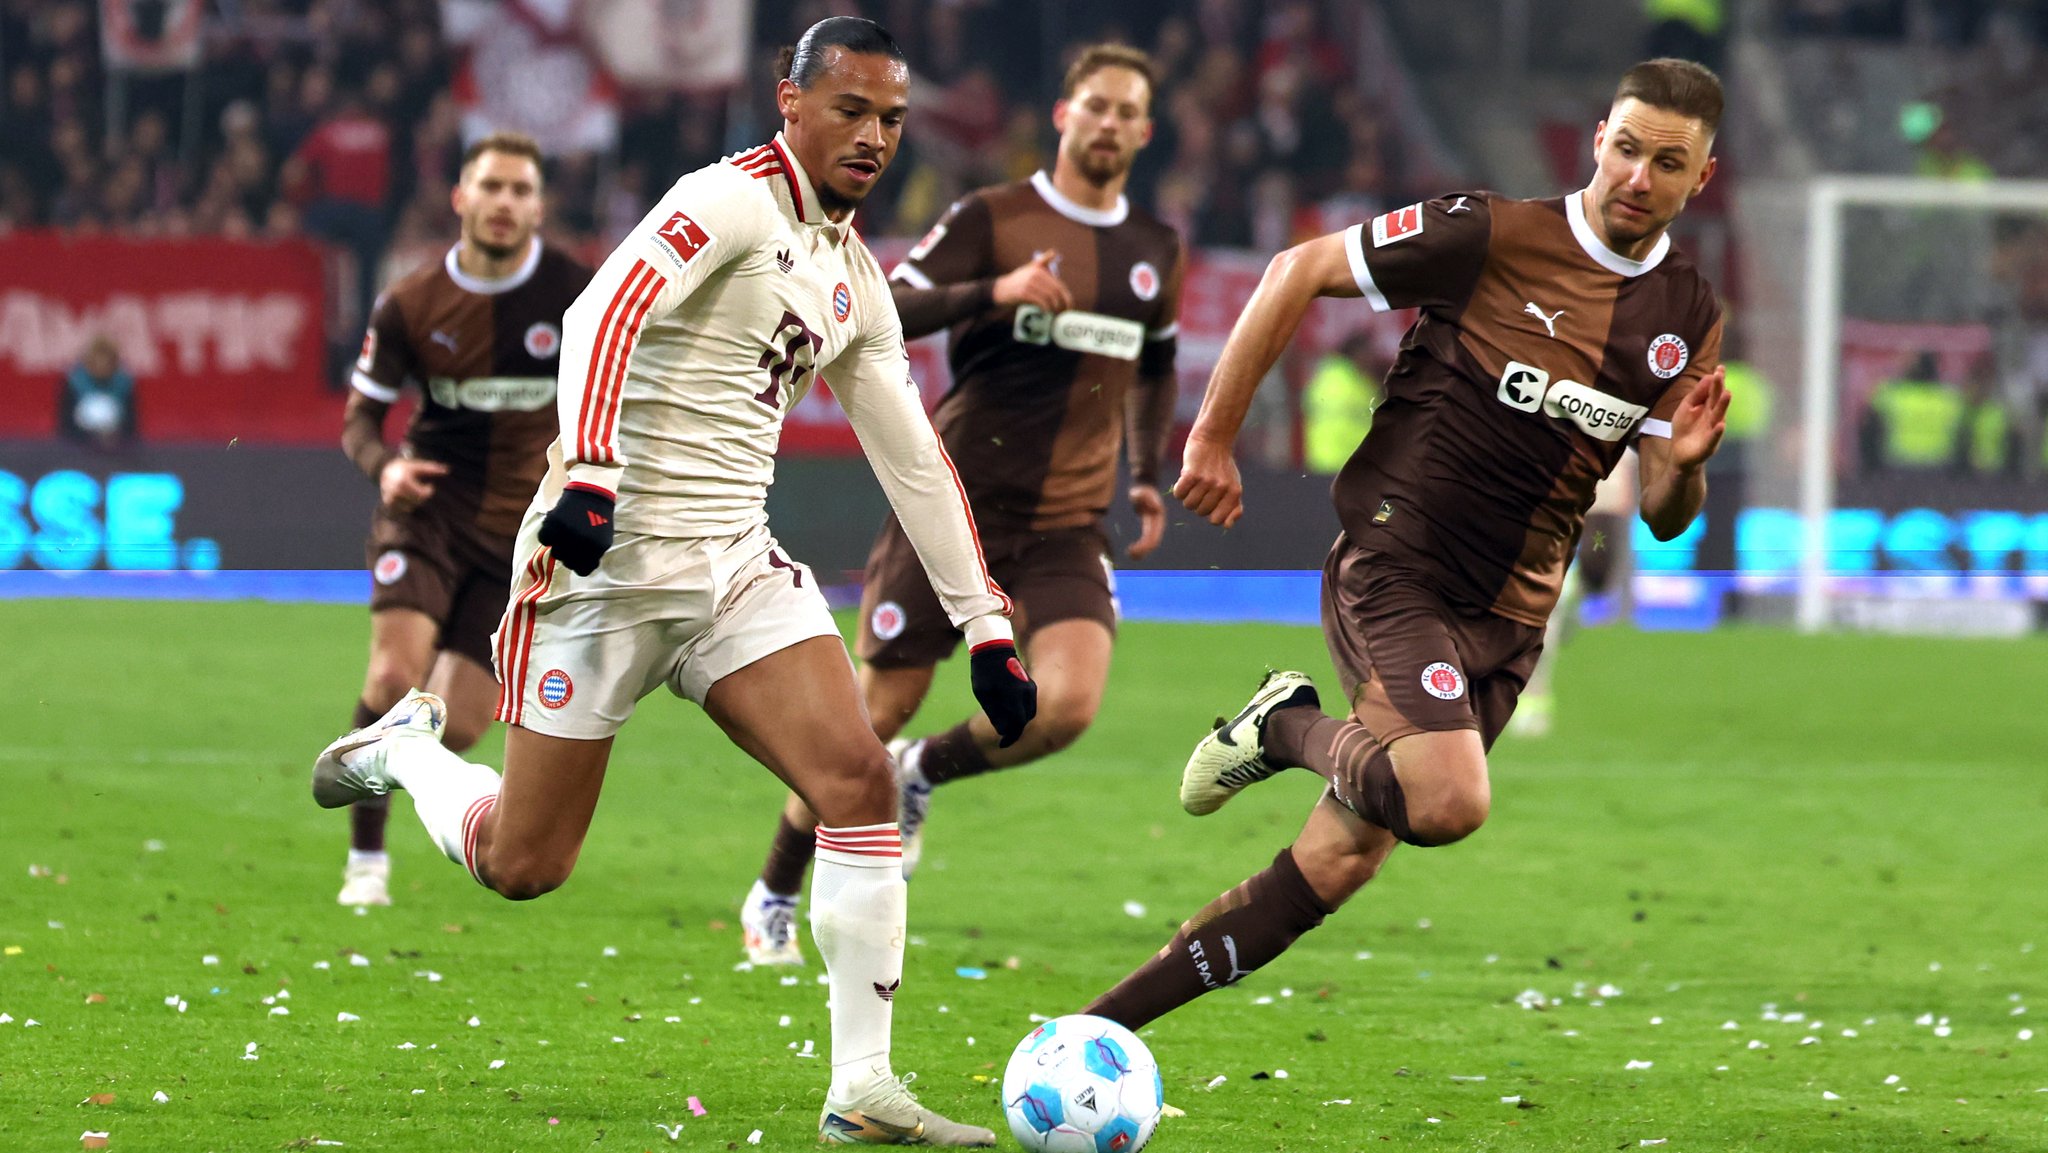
(711, 218)
(1209, 485)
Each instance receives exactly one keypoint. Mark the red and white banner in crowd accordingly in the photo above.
(150, 35)
(671, 45)
(222, 337)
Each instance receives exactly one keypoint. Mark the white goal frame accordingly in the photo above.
(1827, 198)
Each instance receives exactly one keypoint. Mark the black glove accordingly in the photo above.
(1003, 689)
(579, 527)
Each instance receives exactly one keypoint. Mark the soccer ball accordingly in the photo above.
(1081, 1084)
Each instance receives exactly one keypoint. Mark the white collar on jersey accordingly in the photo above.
(805, 194)
(1080, 213)
(484, 287)
(1605, 257)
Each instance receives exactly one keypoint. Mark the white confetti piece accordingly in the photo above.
(31, 1023)
(1279, 1074)
(822, 979)
(1942, 1030)
(344, 1018)
(1571, 1032)
(1493, 958)
(1218, 1079)
(280, 1011)
(970, 1040)
(609, 951)
(945, 1009)
(284, 994)
(1362, 955)
(1639, 1064)
(1809, 1040)
(674, 1132)
(1793, 1018)
(1610, 990)
(1869, 1021)
(1134, 909)
(743, 967)
(249, 1050)
(152, 846)
(1924, 1019)
(1652, 1141)
(498, 1064)
(209, 959)
(1347, 1100)
(1531, 999)
(1433, 1120)
(161, 1097)
(1758, 1045)
(1422, 923)
(432, 978)
(788, 981)
(696, 1000)
(672, 1020)
(1656, 1020)
(270, 1000)
(1470, 1077)
(56, 924)
(1829, 1095)
(1720, 1068)
(783, 1021)
(1287, 992)
(1514, 1100)
(358, 960)
(1262, 1000)
(1850, 1033)
(2018, 1011)
(99, 1133)
(618, 1040)
(418, 1092)
(1730, 1025)
(1934, 966)
(473, 1022)
(809, 1049)
(322, 965)
(2026, 1034)
(754, 1138)
(8, 1018)
(1892, 1080)
(405, 1045)
(1036, 1018)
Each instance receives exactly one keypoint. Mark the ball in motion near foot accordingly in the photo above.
(1081, 1084)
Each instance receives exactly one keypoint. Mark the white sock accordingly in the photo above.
(368, 857)
(451, 796)
(858, 903)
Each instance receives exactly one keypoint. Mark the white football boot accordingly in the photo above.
(913, 799)
(351, 767)
(768, 927)
(885, 1113)
(366, 881)
(1234, 755)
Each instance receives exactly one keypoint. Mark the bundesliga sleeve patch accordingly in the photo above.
(683, 237)
(1399, 224)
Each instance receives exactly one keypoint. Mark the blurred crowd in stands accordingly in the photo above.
(343, 119)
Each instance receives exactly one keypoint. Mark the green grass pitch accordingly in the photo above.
(1774, 893)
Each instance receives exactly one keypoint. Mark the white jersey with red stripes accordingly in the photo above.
(719, 311)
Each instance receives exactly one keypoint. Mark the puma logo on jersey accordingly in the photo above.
(1457, 206)
(1549, 322)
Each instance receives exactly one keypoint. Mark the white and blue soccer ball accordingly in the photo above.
(1081, 1084)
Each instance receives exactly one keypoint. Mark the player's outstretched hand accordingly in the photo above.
(1003, 689)
(579, 527)
(1151, 510)
(1209, 484)
(1701, 419)
(405, 483)
(1035, 282)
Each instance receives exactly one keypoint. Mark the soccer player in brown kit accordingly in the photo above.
(1553, 334)
(477, 333)
(1061, 300)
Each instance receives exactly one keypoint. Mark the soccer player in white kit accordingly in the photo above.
(645, 559)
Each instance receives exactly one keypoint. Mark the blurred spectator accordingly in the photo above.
(340, 176)
(96, 401)
(1916, 422)
(1338, 402)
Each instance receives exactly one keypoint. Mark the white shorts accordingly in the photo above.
(575, 654)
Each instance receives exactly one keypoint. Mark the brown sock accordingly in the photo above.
(788, 857)
(367, 818)
(1233, 935)
(951, 755)
(1342, 752)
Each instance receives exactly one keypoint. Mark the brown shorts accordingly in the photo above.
(451, 571)
(1411, 663)
(1053, 575)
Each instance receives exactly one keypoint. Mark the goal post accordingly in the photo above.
(1830, 202)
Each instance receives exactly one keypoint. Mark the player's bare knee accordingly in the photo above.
(1336, 872)
(1449, 818)
(861, 792)
(526, 877)
(1061, 720)
(388, 680)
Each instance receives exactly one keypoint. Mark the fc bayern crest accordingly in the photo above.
(543, 340)
(1443, 682)
(842, 302)
(887, 621)
(556, 688)
(1145, 280)
(389, 567)
(1668, 355)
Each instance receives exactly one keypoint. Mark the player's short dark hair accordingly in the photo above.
(1681, 86)
(1096, 57)
(507, 143)
(801, 63)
